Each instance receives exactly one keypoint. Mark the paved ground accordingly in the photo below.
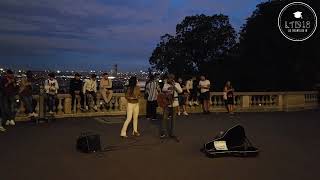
(289, 144)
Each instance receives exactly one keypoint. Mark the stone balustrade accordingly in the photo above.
(244, 102)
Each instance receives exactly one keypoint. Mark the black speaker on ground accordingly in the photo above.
(88, 143)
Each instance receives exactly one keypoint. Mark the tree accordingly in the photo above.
(269, 60)
(199, 41)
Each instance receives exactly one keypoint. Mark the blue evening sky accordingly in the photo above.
(95, 34)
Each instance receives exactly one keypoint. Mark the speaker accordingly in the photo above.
(88, 143)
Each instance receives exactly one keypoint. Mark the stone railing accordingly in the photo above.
(244, 102)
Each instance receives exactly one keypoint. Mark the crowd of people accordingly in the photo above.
(12, 92)
(179, 93)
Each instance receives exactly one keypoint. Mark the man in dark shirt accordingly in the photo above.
(9, 91)
(76, 89)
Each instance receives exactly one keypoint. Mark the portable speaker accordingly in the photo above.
(88, 143)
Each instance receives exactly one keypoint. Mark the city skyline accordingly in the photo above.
(84, 35)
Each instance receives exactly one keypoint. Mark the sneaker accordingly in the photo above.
(185, 113)
(12, 123)
(162, 136)
(35, 114)
(179, 113)
(7, 122)
(196, 103)
(154, 119)
(2, 129)
(51, 112)
(30, 115)
(95, 108)
(190, 103)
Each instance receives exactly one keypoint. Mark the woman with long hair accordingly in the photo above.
(228, 96)
(132, 96)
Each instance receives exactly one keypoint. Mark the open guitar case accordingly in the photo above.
(232, 142)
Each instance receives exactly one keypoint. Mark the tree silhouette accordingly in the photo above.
(199, 41)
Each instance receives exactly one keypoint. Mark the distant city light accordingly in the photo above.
(111, 77)
(58, 71)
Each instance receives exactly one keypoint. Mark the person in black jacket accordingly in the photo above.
(76, 89)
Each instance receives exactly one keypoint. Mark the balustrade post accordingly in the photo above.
(67, 105)
(245, 102)
(60, 107)
(98, 102)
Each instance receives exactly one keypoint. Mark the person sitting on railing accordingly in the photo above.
(51, 87)
(76, 89)
(204, 86)
(90, 90)
(10, 90)
(106, 88)
(228, 96)
(26, 87)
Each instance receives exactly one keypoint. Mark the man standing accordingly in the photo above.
(170, 88)
(106, 88)
(10, 90)
(90, 89)
(152, 89)
(76, 89)
(204, 86)
(51, 87)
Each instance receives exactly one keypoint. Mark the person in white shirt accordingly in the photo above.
(106, 88)
(90, 89)
(171, 88)
(204, 86)
(51, 87)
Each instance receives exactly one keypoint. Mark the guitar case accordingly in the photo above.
(232, 142)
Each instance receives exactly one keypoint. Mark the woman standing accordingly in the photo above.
(132, 96)
(228, 96)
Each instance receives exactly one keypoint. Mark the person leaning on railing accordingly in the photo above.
(90, 89)
(51, 87)
(106, 88)
(25, 92)
(76, 89)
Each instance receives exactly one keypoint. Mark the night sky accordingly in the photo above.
(94, 34)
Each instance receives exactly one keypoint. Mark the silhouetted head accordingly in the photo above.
(93, 77)
(29, 74)
(132, 82)
(228, 83)
(105, 76)
(170, 79)
(202, 78)
(77, 76)
(51, 76)
(10, 74)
